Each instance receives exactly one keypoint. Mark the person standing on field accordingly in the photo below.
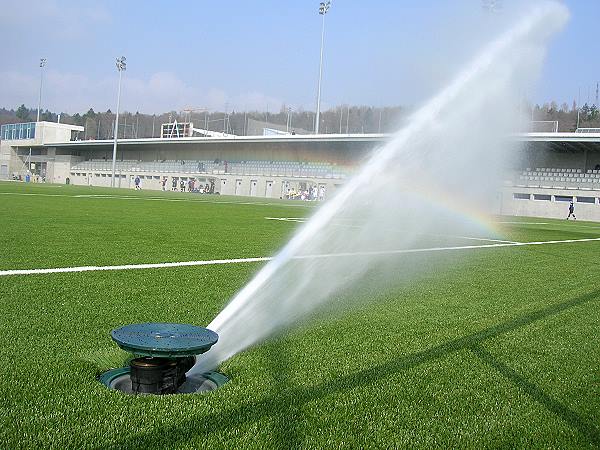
(571, 211)
(164, 184)
(174, 184)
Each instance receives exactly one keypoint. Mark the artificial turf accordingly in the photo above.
(497, 349)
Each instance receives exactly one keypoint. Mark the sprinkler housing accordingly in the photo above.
(164, 352)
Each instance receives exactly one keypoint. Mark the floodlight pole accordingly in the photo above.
(42, 64)
(347, 119)
(121, 66)
(323, 8)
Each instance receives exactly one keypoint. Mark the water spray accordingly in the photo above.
(421, 179)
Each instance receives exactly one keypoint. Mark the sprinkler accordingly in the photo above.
(163, 352)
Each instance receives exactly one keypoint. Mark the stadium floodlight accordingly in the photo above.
(42, 65)
(492, 6)
(323, 9)
(121, 66)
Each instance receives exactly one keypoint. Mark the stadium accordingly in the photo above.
(551, 169)
(434, 287)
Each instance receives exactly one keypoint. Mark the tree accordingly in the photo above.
(22, 113)
(78, 119)
(594, 113)
(47, 116)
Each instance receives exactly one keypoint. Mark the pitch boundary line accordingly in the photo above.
(468, 238)
(267, 258)
(159, 199)
(523, 223)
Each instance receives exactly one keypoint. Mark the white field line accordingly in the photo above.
(483, 239)
(469, 238)
(524, 223)
(574, 224)
(160, 199)
(131, 266)
(264, 259)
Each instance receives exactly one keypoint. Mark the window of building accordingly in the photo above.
(591, 200)
(545, 197)
(16, 131)
(563, 198)
(521, 196)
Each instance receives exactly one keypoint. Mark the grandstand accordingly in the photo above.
(552, 167)
(561, 178)
(217, 167)
(229, 177)
(263, 166)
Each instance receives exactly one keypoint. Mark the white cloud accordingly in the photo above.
(50, 17)
(161, 92)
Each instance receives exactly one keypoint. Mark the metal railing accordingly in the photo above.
(587, 130)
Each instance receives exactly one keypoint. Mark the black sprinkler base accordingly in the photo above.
(120, 380)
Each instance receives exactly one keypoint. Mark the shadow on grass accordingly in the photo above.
(588, 430)
(286, 420)
(290, 399)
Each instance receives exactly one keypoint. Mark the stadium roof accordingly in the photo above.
(573, 141)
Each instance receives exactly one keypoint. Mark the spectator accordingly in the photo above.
(321, 193)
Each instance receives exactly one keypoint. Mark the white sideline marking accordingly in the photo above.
(267, 258)
(525, 223)
(470, 238)
(484, 239)
(131, 266)
(161, 199)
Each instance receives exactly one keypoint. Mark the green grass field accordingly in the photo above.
(498, 349)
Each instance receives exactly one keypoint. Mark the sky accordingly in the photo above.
(263, 54)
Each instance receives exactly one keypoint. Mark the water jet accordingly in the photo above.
(163, 353)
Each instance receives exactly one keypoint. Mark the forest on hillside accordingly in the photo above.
(342, 119)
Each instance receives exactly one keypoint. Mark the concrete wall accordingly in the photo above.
(536, 205)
